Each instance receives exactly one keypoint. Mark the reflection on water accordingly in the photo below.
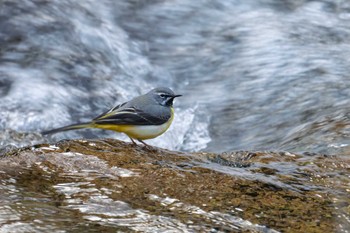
(24, 210)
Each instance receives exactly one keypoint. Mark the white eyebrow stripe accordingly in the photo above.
(162, 93)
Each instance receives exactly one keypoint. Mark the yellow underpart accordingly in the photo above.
(140, 132)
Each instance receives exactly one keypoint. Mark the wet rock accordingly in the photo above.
(108, 185)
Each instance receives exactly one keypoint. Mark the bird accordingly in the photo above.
(144, 117)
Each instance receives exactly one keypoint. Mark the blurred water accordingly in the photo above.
(254, 74)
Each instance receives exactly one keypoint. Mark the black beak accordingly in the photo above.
(169, 101)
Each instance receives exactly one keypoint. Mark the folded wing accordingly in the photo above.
(128, 116)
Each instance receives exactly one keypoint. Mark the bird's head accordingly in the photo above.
(163, 96)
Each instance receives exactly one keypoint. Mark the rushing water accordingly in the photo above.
(254, 75)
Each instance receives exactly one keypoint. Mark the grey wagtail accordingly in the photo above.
(144, 117)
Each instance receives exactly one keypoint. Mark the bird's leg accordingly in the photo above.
(133, 141)
(144, 143)
(148, 147)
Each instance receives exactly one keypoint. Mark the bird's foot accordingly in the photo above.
(133, 142)
(148, 147)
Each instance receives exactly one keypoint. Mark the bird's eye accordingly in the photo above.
(162, 96)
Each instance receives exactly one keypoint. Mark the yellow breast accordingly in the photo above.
(141, 132)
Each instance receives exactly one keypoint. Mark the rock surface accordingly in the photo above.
(108, 185)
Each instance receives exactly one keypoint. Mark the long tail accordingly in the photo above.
(69, 127)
